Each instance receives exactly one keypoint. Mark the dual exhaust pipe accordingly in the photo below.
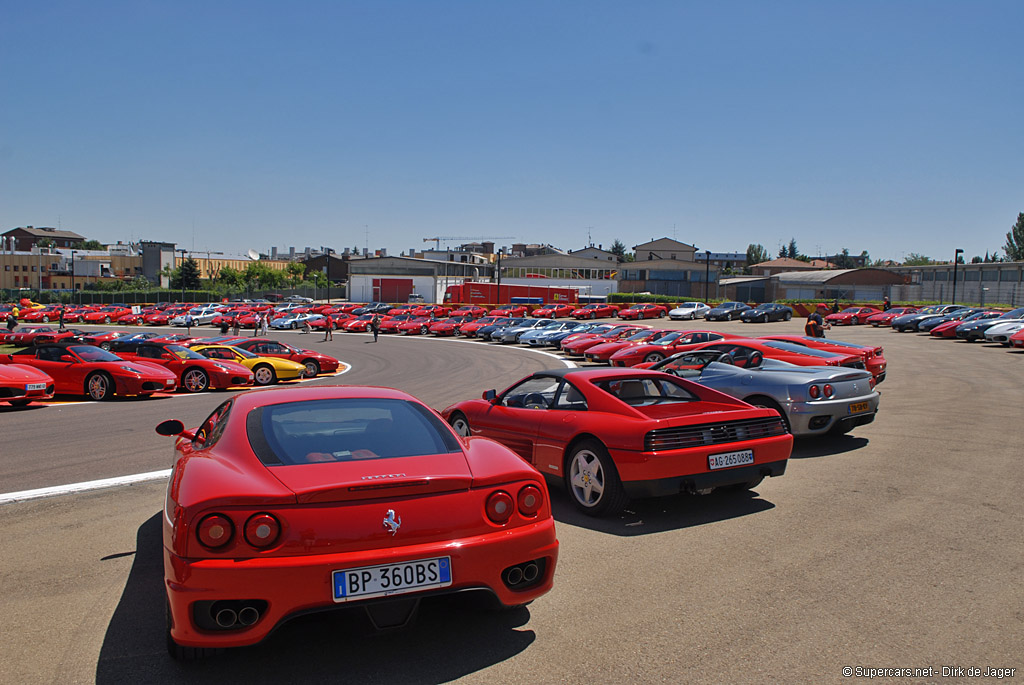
(523, 575)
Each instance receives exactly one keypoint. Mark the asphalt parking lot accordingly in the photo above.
(897, 546)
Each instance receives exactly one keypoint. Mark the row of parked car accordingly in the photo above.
(963, 322)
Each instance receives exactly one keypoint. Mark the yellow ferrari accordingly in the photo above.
(265, 370)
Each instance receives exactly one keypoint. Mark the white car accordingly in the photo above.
(689, 310)
(1001, 332)
(200, 316)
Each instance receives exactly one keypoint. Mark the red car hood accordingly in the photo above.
(19, 373)
(371, 478)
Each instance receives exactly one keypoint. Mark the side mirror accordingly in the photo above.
(170, 427)
(490, 396)
(67, 358)
(166, 355)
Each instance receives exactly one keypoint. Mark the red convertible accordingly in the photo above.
(88, 370)
(553, 311)
(612, 434)
(597, 310)
(667, 345)
(21, 384)
(851, 315)
(297, 500)
(871, 354)
(315, 362)
(644, 311)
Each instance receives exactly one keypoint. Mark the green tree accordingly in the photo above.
(914, 259)
(317, 278)
(46, 242)
(91, 245)
(792, 252)
(231, 277)
(189, 274)
(1014, 247)
(619, 250)
(976, 259)
(296, 273)
(755, 255)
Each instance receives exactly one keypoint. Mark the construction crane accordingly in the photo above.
(437, 239)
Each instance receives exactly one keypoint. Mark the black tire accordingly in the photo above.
(264, 374)
(640, 316)
(195, 380)
(99, 386)
(46, 319)
(106, 319)
(593, 315)
(769, 403)
(460, 424)
(424, 330)
(654, 357)
(589, 467)
(312, 368)
(104, 345)
(294, 325)
(789, 315)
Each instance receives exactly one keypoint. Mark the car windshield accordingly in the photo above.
(183, 352)
(354, 429)
(667, 339)
(639, 392)
(91, 353)
(1013, 314)
(851, 310)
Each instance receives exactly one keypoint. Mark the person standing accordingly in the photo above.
(329, 328)
(60, 325)
(264, 322)
(12, 319)
(188, 323)
(375, 326)
(235, 328)
(886, 305)
(815, 326)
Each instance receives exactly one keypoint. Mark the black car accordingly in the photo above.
(487, 332)
(373, 308)
(769, 311)
(909, 322)
(975, 330)
(727, 311)
(959, 315)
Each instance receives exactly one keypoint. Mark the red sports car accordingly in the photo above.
(1017, 339)
(596, 311)
(603, 352)
(450, 326)
(509, 311)
(612, 434)
(665, 346)
(102, 338)
(851, 315)
(644, 311)
(419, 325)
(472, 310)
(390, 325)
(742, 349)
(45, 315)
(26, 335)
(469, 329)
(106, 314)
(434, 311)
(315, 362)
(577, 347)
(21, 384)
(596, 330)
(401, 309)
(872, 355)
(88, 370)
(948, 329)
(553, 311)
(885, 318)
(360, 324)
(195, 373)
(341, 496)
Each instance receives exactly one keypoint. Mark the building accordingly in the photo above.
(783, 264)
(665, 248)
(598, 253)
(592, 277)
(848, 285)
(992, 282)
(394, 279)
(25, 239)
(672, 277)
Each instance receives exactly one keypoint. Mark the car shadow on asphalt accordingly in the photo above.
(660, 514)
(453, 636)
(826, 446)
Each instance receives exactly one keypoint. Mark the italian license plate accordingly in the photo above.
(391, 579)
(35, 386)
(727, 459)
(859, 407)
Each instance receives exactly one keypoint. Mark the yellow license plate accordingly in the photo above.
(860, 407)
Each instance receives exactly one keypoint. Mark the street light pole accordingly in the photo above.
(72, 275)
(956, 260)
(181, 274)
(707, 275)
(327, 253)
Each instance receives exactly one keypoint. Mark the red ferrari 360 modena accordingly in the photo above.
(20, 384)
(91, 371)
(851, 315)
(613, 434)
(596, 311)
(644, 311)
(665, 346)
(289, 501)
(315, 362)
(553, 311)
(195, 373)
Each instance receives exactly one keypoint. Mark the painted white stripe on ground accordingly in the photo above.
(23, 495)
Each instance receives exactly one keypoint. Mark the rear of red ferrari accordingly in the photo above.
(362, 503)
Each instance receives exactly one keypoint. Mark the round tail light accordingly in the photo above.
(814, 391)
(261, 530)
(500, 506)
(215, 531)
(828, 390)
(530, 500)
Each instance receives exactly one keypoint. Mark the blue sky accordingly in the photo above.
(891, 127)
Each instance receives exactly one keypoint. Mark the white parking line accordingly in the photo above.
(23, 495)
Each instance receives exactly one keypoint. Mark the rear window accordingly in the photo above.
(790, 347)
(640, 392)
(346, 430)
